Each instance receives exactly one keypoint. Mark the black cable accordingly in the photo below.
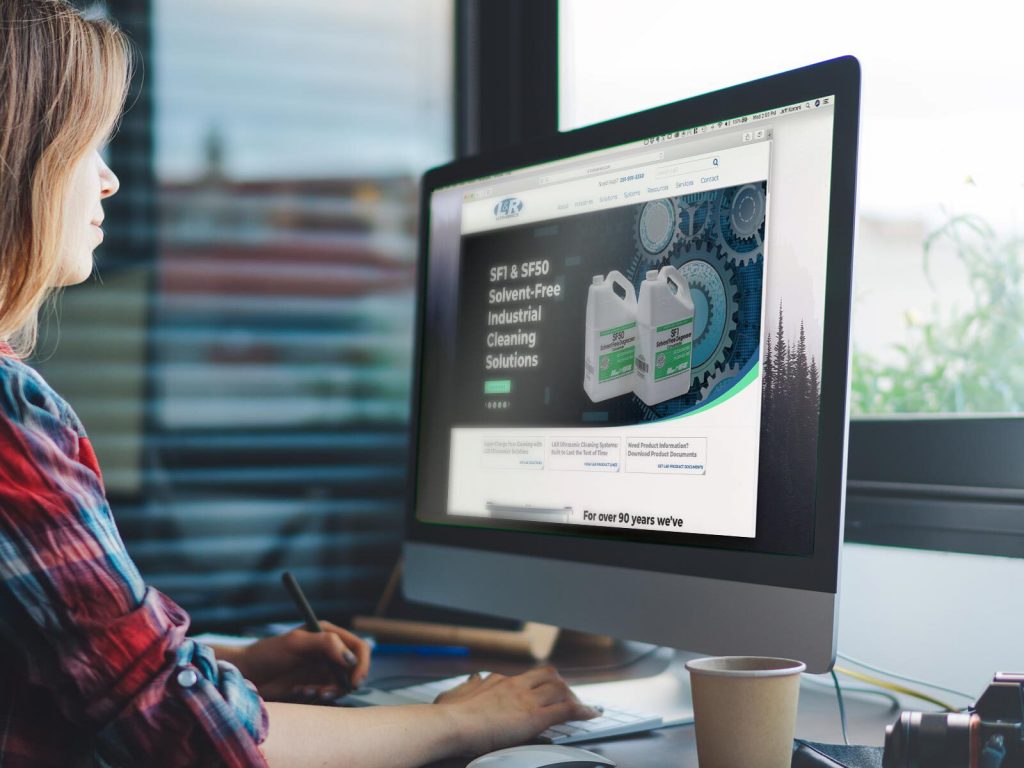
(842, 707)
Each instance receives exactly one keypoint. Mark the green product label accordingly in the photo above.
(497, 387)
(616, 352)
(673, 345)
(616, 364)
(671, 361)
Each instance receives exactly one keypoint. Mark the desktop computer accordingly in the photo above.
(630, 405)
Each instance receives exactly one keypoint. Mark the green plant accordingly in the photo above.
(969, 359)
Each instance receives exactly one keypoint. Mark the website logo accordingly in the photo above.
(508, 208)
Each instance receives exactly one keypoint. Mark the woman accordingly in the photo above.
(96, 667)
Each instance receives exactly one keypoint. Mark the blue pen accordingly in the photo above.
(409, 649)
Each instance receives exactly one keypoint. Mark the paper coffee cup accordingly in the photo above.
(745, 710)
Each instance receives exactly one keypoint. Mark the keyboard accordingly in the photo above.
(614, 721)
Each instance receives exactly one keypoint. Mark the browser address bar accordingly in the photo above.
(602, 168)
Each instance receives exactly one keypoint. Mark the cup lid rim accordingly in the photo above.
(792, 667)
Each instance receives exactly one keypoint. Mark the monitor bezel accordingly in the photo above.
(818, 571)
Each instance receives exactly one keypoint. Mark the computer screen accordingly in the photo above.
(623, 346)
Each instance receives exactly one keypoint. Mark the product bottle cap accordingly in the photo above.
(598, 279)
(652, 274)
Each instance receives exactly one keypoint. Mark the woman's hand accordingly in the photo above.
(500, 711)
(305, 666)
(478, 716)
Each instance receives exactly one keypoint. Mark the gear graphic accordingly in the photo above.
(719, 382)
(715, 297)
(656, 225)
(696, 217)
(740, 219)
(691, 218)
(747, 212)
(656, 228)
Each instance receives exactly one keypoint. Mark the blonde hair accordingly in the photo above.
(63, 82)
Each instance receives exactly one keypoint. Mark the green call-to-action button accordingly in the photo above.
(498, 387)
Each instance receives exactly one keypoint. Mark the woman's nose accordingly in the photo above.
(109, 183)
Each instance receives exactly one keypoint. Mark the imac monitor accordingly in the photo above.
(631, 373)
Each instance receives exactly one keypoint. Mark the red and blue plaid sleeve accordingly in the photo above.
(82, 633)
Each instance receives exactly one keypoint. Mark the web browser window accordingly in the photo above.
(635, 334)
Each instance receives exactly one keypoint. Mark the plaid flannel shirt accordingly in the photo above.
(95, 667)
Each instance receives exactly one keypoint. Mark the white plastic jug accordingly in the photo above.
(664, 317)
(611, 337)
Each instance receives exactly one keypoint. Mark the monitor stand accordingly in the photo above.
(666, 693)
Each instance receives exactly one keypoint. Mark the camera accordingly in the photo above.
(989, 734)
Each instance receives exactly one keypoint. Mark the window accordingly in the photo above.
(939, 303)
(243, 361)
(939, 297)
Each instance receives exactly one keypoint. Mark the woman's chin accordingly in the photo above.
(78, 273)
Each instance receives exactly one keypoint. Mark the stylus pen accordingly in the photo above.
(312, 622)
